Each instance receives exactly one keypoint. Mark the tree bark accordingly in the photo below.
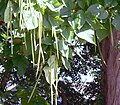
(111, 71)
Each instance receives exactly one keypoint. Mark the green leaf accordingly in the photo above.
(21, 63)
(81, 3)
(4, 36)
(102, 34)
(64, 49)
(87, 35)
(42, 101)
(78, 20)
(30, 19)
(65, 12)
(53, 8)
(66, 63)
(6, 51)
(70, 4)
(48, 41)
(93, 22)
(116, 23)
(98, 11)
(51, 61)
(8, 65)
(110, 3)
(48, 72)
(67, 33)
(55, 21)
(46, 22)
(51, 70)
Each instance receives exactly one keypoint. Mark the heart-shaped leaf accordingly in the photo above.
(98, 11)
(87, 35)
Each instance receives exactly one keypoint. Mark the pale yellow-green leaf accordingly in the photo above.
(66, 63)
(7, 12)
(30, 19)
(50, 74)
(87, 35)
(51, 60)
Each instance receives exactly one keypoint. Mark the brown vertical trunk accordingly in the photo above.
(111, 71)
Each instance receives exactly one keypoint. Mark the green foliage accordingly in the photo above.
(38, 32)
(98, 11)
(21, 63)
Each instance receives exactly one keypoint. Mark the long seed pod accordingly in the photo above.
(40, 46)
(32, 48)
(11, 12)
(56, 39)
(56, 84)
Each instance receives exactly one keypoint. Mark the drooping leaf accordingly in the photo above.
(7, 12)
(87, 35)
(67, 33)
(63, 48)
(48, 72)
(66, 63)
(51, 70)
(46, 22)
(30, 19)
(51, 61)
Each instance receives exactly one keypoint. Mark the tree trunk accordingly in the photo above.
(111, 71)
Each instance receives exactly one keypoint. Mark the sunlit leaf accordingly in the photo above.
(78, 21)
(93, 22)
(30, 19)
(7, 12)
(87, 35)
(52, 8)
(51, 70)
(66, 63)
(48, 72)
(51, 61)
(67, 33)
(63, 48)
